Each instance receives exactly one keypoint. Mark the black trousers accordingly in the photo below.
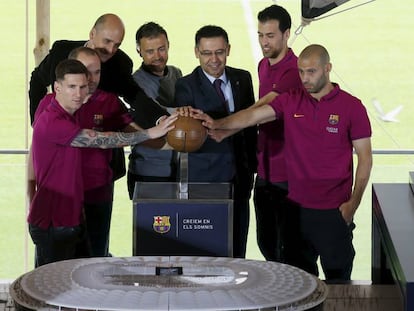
(325, 234)
(97, 210)
(270, 209)
(55, 243)
(242, 187)
(98, 224)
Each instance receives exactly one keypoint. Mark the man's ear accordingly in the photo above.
(286, 35)
(56, 87)
(196, 52)
(328, 67)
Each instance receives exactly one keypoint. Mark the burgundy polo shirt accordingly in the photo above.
(280, 78)
(57, 167)
(318, 148)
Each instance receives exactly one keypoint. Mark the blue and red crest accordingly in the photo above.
(161, 224)
(333, 119)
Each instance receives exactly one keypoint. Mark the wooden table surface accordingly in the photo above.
(363, 298)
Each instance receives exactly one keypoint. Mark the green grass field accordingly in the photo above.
(370, 50)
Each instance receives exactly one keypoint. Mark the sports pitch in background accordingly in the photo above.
(370, 49)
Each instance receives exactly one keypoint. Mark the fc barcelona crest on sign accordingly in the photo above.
(161, 224)
(333, 119)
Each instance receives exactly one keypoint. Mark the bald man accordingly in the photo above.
(105, 37)
(323, 124)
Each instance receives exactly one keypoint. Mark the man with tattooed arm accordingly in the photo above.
(56, 210)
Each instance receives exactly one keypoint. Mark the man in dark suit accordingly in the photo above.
(105, 37)
(220, 90)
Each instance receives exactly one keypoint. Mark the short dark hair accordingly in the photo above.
(278, 13)
(69, 66)
(210, 31)
(149, 30)
(82, 49)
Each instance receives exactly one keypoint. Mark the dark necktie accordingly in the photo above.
(217, 86)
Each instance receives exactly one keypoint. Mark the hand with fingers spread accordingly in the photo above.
(207, 121)
(163, 127)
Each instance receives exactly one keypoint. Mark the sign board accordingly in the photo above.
(165, 225)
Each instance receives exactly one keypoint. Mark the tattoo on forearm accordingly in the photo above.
(104, 140)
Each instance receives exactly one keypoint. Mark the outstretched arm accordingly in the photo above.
(242, 119)
(104, 140)
(155, 143)
(144, 110)
(364, 153)
(132, 127)
(264, 100)
(219, 135)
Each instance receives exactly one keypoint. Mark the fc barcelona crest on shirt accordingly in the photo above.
(333, 119)
(161, 224)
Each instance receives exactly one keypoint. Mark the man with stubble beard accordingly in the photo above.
(278, 72)
(157, 79)
(105, 37)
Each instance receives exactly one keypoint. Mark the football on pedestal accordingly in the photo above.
(188, 135)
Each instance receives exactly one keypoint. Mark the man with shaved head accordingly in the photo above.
(105, 37)
(323, 125)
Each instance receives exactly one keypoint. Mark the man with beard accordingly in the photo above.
(323, 125)
(278, 72)
(57, 197)
(158, 82)
(102, 111)
(105, 37)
